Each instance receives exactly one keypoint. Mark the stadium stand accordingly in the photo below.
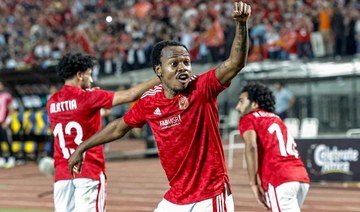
(121, 33)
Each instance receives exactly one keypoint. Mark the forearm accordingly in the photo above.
(138, 90)
(135, 92)
(238, 55)
(251, 162)
(240, 46)
(113, 131)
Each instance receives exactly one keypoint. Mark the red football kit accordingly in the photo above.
(186, 129)
(278, 159)
(74, 115)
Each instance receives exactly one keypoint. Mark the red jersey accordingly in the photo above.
(186, 129)
(278, 158)
(74, 116)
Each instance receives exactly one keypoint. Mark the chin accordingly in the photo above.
(178, 89)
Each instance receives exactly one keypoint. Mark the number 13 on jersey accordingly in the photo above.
(59, 131)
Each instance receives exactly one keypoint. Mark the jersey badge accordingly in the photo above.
(183, 102)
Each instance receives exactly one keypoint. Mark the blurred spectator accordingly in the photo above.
(214, 37)
(288, 43)
(121, 33)
(325, 15)
(284, 100)
(303, 30)
(338, 28)
(350, 22)
(272, 39)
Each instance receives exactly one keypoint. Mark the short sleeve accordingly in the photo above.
(211, 84)
(135, 117)
(98, 98)
(245, 124)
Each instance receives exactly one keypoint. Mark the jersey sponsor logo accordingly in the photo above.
(183, 102)
(63, 106)
(171, 122)
(157, 111)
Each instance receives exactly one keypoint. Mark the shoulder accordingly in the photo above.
(97, 92)
(194, 77)
(152, 93)
(246, 118)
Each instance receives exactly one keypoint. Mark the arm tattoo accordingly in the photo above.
(241, 41)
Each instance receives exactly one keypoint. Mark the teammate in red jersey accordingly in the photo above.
(183, 115)
(277, 175)
(74, 114)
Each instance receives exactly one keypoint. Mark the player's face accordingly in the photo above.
(174, 70)
(244, 105)
(86, 79)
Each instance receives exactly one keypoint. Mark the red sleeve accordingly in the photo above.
(135, 117)
(211, 84)
(98, 98)
(245, 124)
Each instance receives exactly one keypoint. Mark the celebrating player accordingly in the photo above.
(74, 114)
(277, 175)
(182, 113)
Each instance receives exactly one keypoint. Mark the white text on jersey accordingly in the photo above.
(63, 106)
(263, 114)
(171, 122)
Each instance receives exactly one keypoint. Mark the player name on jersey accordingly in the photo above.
(258, 114)
(63, 106)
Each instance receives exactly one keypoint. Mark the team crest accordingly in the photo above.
(183, 102)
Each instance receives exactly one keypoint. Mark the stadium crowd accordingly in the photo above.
(121, 33)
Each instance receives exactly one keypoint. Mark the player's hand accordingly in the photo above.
(75, 162)
(241, 11)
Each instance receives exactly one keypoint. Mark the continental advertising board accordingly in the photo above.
(335, 159)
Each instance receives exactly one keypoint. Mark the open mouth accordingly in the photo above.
(183, 78)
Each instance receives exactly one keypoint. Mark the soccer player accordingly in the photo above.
(5, 113)
(277, 175)
(183, 115)
(74, 114)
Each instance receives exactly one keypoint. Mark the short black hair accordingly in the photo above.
(262, 95)
(156, 51)
(71, 63)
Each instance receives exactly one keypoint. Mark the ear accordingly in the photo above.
(158, 71)
(254, 105)
(79, 75)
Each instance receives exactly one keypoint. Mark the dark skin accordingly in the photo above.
(174, 72)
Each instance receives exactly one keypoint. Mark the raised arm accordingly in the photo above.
(135, 92)
(240, 46)
(113, 131)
